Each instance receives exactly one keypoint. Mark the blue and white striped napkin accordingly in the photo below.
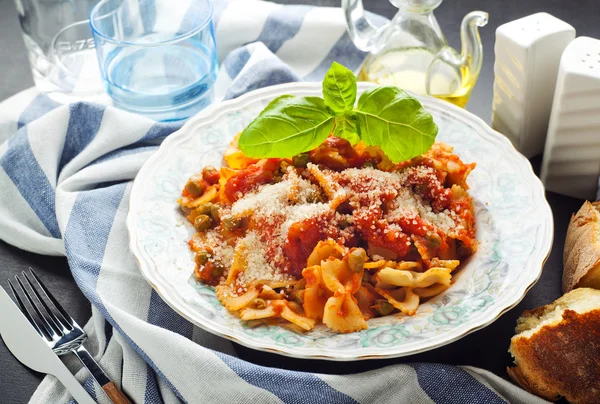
(65, 178)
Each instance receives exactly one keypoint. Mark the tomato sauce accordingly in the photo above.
(206, 274)
(337, 154)
(302, 238)
(245, 180)
(431, 188)
(379, 233)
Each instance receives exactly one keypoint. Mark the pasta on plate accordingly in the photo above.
(337, 235)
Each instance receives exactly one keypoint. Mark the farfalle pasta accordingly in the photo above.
(337, 236)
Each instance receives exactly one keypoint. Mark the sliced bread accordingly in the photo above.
(557, 348)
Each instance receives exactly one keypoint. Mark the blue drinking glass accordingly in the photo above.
(157, 57)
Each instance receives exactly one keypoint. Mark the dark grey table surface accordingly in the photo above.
(486, 348)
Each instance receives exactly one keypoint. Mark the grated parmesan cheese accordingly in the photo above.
(376, 197)
(257, 267)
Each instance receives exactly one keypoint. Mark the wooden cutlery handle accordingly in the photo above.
(115, 395)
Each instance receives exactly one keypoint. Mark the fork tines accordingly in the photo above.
(42, 310)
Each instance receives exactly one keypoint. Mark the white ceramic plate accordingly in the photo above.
(514, 228)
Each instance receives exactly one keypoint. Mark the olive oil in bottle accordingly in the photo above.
(407, 69)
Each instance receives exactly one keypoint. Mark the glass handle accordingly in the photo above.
(469, 61)
(447, 56)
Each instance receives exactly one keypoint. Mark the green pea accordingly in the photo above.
(218, 270)
(344, 223)
(298, 296)
(315, 198)
(434, 240)
(208, 170)
(214, 212)
(203, 209)
(231, 223)
(370, 164)
(383, 307)
(356, 260)
(202, 223)
(301, 160)
(462, 249)
(202, 257)
(195, 186)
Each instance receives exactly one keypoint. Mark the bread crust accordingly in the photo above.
(581, 255)
(561, 358)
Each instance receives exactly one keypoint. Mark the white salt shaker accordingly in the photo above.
(528, 52)
(571, 164)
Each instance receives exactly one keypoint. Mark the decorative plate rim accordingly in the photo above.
(213, 113)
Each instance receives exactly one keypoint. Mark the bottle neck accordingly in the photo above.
(422, 28)
(416, 6)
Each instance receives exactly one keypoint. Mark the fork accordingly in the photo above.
(59, 330)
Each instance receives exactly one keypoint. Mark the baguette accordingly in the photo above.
(581, 257)
(557, 348)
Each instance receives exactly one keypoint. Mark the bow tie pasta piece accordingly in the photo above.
(278, 308)
(411, 279)
(324, 250)
(303, 322)
(449, 264)
(338, 277)
(315, 294)
(430, 291)
(343, 315)
(366, 297)
(231, 301)
(234, 157)
(250, 313)
(402, 299)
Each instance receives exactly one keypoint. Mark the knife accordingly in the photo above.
(29, 348)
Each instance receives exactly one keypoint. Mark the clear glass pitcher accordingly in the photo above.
(411, 51)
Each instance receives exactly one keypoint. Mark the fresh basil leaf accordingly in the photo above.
(345, 128)
(288, 126)
(339, 89)
(390, 118)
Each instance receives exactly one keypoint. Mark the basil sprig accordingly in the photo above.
(385, 116)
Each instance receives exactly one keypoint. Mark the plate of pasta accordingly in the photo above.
(339, 251)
